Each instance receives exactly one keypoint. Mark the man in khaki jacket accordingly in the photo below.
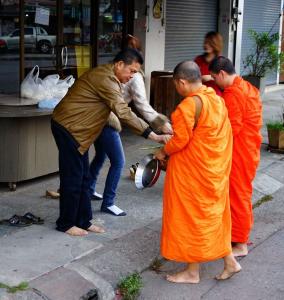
(76, 123)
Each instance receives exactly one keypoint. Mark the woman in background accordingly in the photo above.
(213, 45)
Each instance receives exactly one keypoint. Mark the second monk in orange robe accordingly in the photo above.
(245, 113)
(196, 210)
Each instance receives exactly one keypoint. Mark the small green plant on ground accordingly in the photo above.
(262, 200)
(13, 289)
(130, 286)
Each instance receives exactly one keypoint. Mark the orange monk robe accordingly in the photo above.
(245, 114)
(196, 209)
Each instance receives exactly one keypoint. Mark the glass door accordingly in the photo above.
(40, 36)
(57, 36)
(76, 40)
(9, 47)
(110, 29)
(65, 37)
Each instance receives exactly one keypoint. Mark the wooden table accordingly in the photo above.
(27, 147)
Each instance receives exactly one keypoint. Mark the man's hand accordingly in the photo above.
(162, 138)
(167, 128)
(160, 155)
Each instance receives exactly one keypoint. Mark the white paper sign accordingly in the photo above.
(42, 16)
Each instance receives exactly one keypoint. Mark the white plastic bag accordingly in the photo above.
(49, 88)
(62, 86)
(31, 86)
(50, 80)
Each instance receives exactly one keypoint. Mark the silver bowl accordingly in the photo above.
(148, 172)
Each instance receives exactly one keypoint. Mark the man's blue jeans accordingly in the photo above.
(108, 145)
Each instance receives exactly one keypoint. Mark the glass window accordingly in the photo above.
(110, 25)
(9, 47)
(29, 31)
(15, 33)
(40, 36)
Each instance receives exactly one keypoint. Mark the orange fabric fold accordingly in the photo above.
(196, 211)
(245, 113)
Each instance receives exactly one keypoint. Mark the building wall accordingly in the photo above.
(236, 43)
(155, 43)
(260, 15)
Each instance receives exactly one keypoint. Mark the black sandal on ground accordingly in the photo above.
(17, 221)
(32, 218)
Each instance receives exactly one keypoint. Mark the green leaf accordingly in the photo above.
(264, 56)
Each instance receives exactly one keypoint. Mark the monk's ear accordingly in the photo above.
(223, 74)
(182, 82)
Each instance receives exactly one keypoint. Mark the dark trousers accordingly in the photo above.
(75, 196)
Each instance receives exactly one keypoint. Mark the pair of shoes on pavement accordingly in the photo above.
(22, 221)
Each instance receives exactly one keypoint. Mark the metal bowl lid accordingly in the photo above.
(148, 172)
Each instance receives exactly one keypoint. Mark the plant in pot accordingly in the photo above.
(275, 130)
(264, 57)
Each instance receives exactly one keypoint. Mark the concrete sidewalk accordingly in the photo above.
(59, 267)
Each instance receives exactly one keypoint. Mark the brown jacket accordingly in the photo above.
(84, 111)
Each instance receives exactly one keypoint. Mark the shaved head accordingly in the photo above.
(187, 70)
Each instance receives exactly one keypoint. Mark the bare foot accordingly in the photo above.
(76, 231)
(229, 271)
(240, 249)
(96, 229)
(184, 277)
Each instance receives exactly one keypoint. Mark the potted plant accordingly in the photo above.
(264, 57)
(275, 130)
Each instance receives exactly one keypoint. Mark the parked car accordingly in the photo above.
(34, 38)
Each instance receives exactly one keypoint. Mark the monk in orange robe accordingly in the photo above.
(196, 210)
(245, 113)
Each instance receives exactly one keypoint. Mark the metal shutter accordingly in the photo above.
(187, 22)
(259, 15)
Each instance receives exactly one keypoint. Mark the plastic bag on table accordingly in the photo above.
(32, 86)
(51, 80)
(48, 103)
(62, 86)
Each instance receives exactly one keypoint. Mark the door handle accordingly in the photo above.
(53, 56)
(64, 58)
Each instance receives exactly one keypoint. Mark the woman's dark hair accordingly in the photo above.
(128, 56)
(215, 40)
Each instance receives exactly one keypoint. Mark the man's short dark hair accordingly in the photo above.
(187, 70)
(128, 56)
(222, 63)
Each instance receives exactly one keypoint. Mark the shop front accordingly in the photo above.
(65, 37)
